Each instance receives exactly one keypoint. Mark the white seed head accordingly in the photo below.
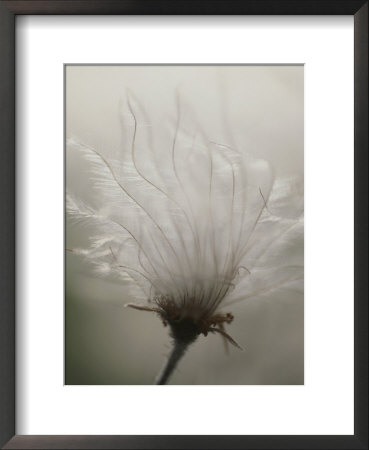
(191, 223)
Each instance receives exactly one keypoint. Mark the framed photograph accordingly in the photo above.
(156, 166)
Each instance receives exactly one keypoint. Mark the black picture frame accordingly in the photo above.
(8, 12)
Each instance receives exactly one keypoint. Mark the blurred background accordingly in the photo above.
(258, 109)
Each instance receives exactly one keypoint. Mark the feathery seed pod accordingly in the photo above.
(193, 225)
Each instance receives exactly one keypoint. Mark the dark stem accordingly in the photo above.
(178, 350)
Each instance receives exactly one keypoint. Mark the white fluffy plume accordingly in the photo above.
(186, 218)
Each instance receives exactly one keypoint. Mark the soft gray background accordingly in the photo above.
(256, 108)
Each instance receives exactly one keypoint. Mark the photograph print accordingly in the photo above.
(184, 224)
